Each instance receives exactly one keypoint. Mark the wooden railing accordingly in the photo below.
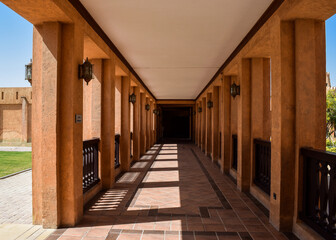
(319, 191)
(262, 161)
(116, 151)
(90, 163)
(220, 145)
(131, 145)
(234, 152)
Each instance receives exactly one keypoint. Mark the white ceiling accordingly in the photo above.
(176, 46)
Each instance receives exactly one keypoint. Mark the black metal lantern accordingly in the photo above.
(235, 90)
(28, 71)
(147, 107)
(132, 98)
(210, 104)
(199, 109)
(85, 71)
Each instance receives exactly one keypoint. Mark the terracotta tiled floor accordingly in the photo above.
(173, 192)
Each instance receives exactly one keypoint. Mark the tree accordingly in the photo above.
(331, 112)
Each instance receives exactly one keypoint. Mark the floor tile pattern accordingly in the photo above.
(173, 192)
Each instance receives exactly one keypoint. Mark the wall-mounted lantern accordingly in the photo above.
(132, 98)
(156, 112)
(28, 72)
(235, 90)
(85, 71)
(210, 104)
(199, 109)
(147, 107)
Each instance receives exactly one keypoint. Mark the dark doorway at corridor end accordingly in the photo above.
(176, 123)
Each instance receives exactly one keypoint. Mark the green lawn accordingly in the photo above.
(11, 162)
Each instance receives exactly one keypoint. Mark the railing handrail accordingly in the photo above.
(318, 197)
(90, 163)
(116, 151)
(318, 154)
(91, 141)
(261, 141)
(262, 164)
(234, 149)
(131, 144)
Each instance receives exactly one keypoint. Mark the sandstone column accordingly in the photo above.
(203, 132)
(196, 125)
(310, 115)
(136, 125)
(143, 124)
(147, 124)
(298, 86)
(244, 126)
(226, 125)
(208, 139)
(107, 123)
(200, 114)
(215, 124)
(125, 124)
(151, 123)
(57, 138)
(283, 124)
(155, 125)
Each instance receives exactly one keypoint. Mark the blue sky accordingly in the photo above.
(17, 37)
(331, 48)
(16, 44)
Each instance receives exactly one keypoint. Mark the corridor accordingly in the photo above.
(173, 192)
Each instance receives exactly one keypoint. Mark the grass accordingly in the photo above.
(331, 149)
(11, 162)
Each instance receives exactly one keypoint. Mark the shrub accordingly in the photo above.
(329, 143)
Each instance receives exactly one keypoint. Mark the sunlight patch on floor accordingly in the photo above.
(169, 145)
(109, 201)
(167, 156)
(129, 177)
(139, 165)
(151, 152)
(168, 152)
(169, 148)
(161, 176)
(157, 198)
(165, 164)
(146, 157)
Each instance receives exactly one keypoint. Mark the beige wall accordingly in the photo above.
(234, 111)
(92, 103)
(117, 104)
(15, 122)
